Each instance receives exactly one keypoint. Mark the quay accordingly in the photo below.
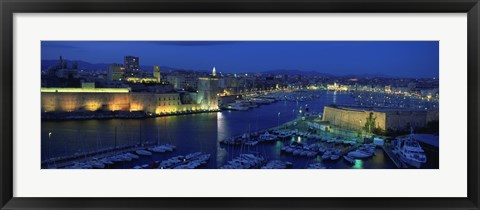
(349, 149)
(60, 162)
(388, 150)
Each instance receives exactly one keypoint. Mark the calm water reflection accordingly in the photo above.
(193, 133)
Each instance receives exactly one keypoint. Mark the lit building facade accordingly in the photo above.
(131, 64)
(120, 99)
(183, 81)
(208, 91)
(337, 87)
(141, 79)
(385, 119)
(115, 72)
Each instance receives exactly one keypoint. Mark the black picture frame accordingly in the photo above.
(10, 7)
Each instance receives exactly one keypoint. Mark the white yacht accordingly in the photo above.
(410, 152)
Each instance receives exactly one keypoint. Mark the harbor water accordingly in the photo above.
(198, 133)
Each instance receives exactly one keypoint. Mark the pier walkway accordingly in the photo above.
(388, 150)
(63, 161)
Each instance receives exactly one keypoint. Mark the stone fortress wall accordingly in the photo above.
(386, 119)
(97, 99)
(352, 118)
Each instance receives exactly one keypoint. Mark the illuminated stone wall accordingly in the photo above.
(160, 103)
(64, 101)
(147, 102)
(351, 118)
(388, 119)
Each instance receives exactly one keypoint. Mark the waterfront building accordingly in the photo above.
(155, 79)
(183, 81)
(337, 87)
(89, 98)
(388, 88)
(208, 92)
(141, 79)
(115, 72)
(393, 119)
(131, 64)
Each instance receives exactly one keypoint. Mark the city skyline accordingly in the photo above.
(134, 112)
(413, 59)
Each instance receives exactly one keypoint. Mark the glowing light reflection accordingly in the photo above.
(358, 164)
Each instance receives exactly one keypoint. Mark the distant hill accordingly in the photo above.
(315, 73)
(99, 66)
(296, 72)
(369, 76)
(83, 65)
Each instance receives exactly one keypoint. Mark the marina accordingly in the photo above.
(270, 136)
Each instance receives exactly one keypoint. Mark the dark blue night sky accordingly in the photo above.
(389, 58)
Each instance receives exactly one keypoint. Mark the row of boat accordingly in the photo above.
(322, 137)
(190, 161)
(79, 155)
(277, 164)
(315, 166)
(250, 140)
(245, 161)
(312, 150)
(99, 163)
(299, 95)
(331, 154)
(299, 149)
(363, 151)
(162, 148)
(251, 102)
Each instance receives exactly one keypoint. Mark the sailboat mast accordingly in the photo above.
(158, 135)
(115, 148)
(140, 134)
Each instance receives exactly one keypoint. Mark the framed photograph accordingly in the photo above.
(239, 105)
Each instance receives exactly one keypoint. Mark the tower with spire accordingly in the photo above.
(214, 72)
(207, 94)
